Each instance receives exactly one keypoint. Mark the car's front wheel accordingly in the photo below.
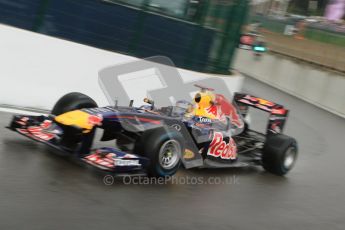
(164, 147)
(73, 101)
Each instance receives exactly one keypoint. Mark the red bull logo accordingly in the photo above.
(222, 149)
(225, 108)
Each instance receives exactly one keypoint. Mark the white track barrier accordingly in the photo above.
(319, 87)
(36, 70)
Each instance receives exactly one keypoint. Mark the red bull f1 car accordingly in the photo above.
(209, 132)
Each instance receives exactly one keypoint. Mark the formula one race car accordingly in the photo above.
(209, 132)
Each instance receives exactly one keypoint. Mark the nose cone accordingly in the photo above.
(79, 118)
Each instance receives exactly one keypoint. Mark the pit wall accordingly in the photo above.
(320, 87)
(36, 70)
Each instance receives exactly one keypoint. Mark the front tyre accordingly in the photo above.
(169, 154)
(164, 147)
(279, 154)
(73, 101)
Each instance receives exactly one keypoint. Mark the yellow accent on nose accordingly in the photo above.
(77, 118)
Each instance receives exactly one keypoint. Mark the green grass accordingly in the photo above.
(325, 37)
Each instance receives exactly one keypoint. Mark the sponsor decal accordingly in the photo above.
(23, 131)
(121, 162)
(25, 119)
(263, 108)
(46, 124)
(109, 160)
(258, 102)
(222, 149)
(188, 154)
(37, 133)
(177, 127)
(265, 102)
(95, 120)
(246, 101)
(279, 111)
(205, 120)
(99, 160)
(22, 121)
(248, 97)
(200, 125)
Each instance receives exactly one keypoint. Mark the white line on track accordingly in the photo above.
(20, 111)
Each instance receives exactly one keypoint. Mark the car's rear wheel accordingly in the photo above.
(73, 101)
(279, 154)
(164, 147)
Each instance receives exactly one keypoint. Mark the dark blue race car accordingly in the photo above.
(208, 132)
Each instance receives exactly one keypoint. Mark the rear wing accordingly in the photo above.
(278, 114)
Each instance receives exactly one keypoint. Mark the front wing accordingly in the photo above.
(45, 130)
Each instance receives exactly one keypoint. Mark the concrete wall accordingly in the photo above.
(36, 69)
(319, 87)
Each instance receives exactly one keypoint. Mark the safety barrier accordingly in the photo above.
(320, 87)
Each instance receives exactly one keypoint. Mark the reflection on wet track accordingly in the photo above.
(43, 190)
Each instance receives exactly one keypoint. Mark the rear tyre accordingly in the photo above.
(279, 154)
(73, 101)
(164, 147)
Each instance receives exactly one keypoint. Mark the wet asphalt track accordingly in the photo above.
(40, 190)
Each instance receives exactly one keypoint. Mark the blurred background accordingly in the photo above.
(318, 26)
(289, 51)
(197, 35)
(200, 35)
